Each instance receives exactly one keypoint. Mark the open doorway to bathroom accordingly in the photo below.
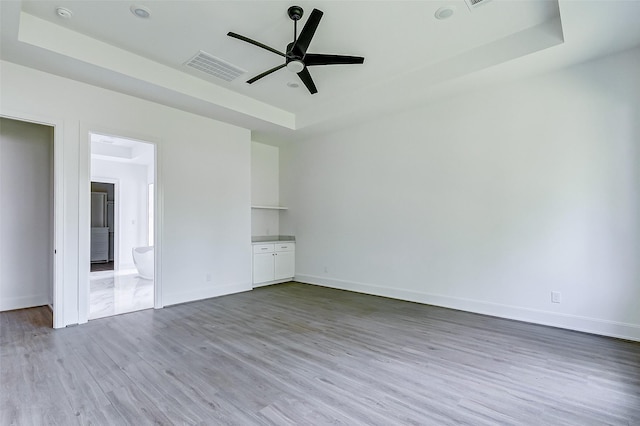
(122, 277)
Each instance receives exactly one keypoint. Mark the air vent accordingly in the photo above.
(216, 67)
(473, 4)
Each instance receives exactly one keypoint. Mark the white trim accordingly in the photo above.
(11, 303)
(554, 319)
(84, 223)
(206, 293)
(270, 207)
(151, 207)
(158, 212)
(59, 231)
(58, 273)
(266, 283)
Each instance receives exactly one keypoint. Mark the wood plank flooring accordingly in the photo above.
(300, 354)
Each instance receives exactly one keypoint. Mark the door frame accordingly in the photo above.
(58, 232)
(84, 220)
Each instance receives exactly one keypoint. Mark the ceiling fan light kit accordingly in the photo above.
(297, 60)
(295, 66)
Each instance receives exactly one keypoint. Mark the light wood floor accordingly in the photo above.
(298, 354)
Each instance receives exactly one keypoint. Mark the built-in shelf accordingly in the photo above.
(270, 207)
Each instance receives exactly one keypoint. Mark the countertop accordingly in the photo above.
(273, 239)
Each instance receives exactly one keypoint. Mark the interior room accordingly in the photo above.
(359, 212)
(26, 155)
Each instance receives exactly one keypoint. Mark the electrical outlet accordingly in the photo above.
(556, 296)
(208, 277)
(326, 270)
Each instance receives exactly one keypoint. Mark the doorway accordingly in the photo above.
(122, 259)
(27, 219)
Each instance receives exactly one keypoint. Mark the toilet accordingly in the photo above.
(143, 259)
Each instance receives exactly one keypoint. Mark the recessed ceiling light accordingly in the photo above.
(64, 13)
(293, 85)
(444, 12)
(140, 11)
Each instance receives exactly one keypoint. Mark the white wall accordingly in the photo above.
(485, 203)
(26, 155)
(131, 204)
(265, 188)
(203, 183)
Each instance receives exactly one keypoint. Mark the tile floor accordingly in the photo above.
(118, 292)
(99, 266)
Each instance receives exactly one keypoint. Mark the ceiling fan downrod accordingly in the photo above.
(295, 13)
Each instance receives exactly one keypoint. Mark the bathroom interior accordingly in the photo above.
(122, 224)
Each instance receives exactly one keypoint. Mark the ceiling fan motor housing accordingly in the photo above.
(291, 55)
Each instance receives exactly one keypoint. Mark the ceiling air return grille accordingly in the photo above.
(473, 4)
(216, 67)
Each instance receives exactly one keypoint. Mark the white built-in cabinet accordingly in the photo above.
(273, 263)
(274, 256)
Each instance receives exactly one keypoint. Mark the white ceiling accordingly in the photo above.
(410, 57)
(121, 150)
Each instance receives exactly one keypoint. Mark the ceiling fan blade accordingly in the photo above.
(255, 43)
(266, 73)
(307, 80)
(319, 59)
(302, 43)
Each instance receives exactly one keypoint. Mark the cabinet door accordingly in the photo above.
(262, 267)
(285, 265)
(99, 245)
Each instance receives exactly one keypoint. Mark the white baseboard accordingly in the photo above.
(11, 303)
(203, 293)
(572, 322)
(272, 282)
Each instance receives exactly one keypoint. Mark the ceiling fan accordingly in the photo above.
(296, 57)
